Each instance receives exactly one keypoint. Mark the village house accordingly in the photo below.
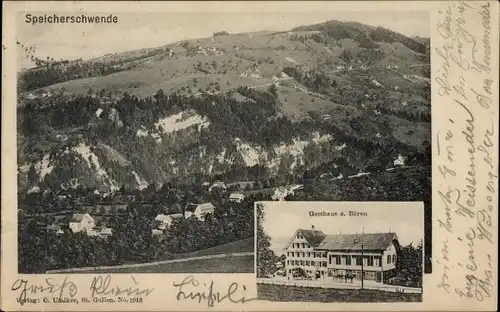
(400, 161)
(101, 231)
(80, 222)
(47, 94)
(344, 255)
(200, 211)
(280, 194)
(236, 197)
(219, 185)
(30, 96)
(54, 228)
(166, 221)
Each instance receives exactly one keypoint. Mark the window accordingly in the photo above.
(293, 254)
(348, 260)
(301, 262)
(389, 259)
(288, 262)
(370, 261)
(379, 261)
(393, 258)
(359, 260)
(303, 254)
(308, 254)
(338, 260)
(324, 264)
(308, 263)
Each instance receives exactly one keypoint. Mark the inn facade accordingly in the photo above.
(322, 256)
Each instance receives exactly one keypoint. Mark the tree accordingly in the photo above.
(273, 90)
(265, 256)
(409, 262)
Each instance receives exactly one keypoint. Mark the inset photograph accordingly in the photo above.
(339, 251)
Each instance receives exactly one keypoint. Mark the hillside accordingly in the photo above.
(199, 109)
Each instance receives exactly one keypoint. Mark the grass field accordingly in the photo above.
(229, 264)
(309, 294)
(223, 261)
(244, 245)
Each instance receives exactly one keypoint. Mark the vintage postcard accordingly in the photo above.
(340, 251)
(249, 156)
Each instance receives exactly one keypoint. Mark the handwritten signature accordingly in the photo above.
(50, 286)
(102, 286)
(469, 189)
(185, 291)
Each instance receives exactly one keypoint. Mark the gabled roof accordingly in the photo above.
(163, 217)
(78, 217)
(201, 207)
(237, 196)
(313, 237)
(372, 241)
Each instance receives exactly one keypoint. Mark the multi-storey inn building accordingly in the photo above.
(324, 256)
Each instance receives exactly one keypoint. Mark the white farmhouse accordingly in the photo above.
(167, 220)
(200, 211)
(280, 194)
(219, 185)
(236, 197)
(400, 161)
(81, 223)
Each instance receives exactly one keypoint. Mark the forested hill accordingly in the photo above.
(278, 107)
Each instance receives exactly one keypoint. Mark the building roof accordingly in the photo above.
(372, 241)
(78, 217)
(313, 237)
(163, 217)
(218, 184)
(203, 207)
(237, 196)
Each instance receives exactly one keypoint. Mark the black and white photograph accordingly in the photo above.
(145, 140)
(340, 251)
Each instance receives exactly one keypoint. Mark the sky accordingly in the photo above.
(282, 219)
(145, 30)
